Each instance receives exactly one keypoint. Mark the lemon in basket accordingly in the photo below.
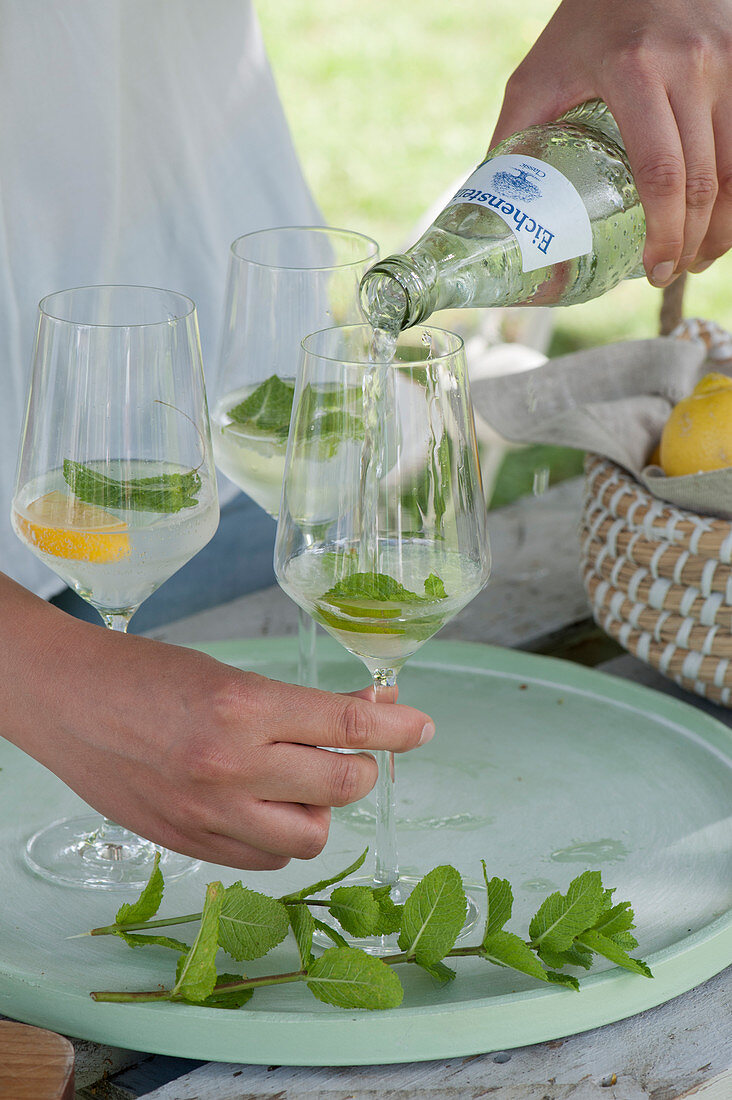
(698, 434)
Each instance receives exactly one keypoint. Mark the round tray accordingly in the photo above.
(540, 767)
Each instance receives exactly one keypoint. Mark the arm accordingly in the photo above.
(186, 751)
(663, 68)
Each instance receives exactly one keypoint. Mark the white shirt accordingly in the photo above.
(138, 138)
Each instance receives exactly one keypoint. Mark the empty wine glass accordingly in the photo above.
(282, 284)
(382, 529)
(115, 491)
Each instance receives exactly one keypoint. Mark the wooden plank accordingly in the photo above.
(35, 1064)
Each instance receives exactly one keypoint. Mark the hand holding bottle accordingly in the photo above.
(663, 69)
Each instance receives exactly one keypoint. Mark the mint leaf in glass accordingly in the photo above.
(149, 900)
(266, 409)
(250, 924)
(165, 493)
(329, 415)
(196, 976)
(349, 978)
(382, 587)
(434, 914)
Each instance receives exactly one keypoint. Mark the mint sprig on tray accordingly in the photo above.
(567, 930)
(162, 493)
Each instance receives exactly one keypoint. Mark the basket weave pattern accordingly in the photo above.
(659, 579)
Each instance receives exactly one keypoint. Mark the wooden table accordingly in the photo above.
(535, 601)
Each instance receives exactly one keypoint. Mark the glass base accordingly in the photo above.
(87, 851)
(400, 891)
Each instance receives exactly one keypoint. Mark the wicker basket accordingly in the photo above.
(659, 580)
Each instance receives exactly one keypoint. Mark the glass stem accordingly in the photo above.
(307, 664)
(386, 870)
(110, 839)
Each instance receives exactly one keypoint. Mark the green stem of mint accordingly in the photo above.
(229, 987)
(143, 925)
(136, 926)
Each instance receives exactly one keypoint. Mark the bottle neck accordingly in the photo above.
(396, 293)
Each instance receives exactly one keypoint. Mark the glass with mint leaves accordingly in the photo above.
(116, 490)
(282, 284)
(382, 530)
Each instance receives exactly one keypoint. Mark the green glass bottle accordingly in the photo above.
(550, 217)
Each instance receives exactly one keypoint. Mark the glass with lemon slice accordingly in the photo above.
(115, 491)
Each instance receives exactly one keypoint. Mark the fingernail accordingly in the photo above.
(698, 268)
(662, 273)
(428, 733)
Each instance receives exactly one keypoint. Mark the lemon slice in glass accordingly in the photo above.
(64, 527)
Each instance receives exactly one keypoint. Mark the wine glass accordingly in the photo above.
(382, 530)
(282, 284)
(116, 490)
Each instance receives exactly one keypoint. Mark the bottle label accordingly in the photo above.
(538, 204)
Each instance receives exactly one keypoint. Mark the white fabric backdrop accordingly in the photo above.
(138, 138)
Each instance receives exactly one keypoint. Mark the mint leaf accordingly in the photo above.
(434, 588)
(499, 903)
(327, 416)
(227, 998)
(267, 408)
(439, 971)
(331, 933)
(132, 939)
(317, 887)
(302, 924)
(561, 918)
(196, 976)
(434, 914)
(250, 924)
(356, 910)
(390, 914)
(603, 945)
(506, 949)
(349, 978)
(382, 587)
(616, 920)
(567, 980)
(166, 492)
(371, 586)
(576, 955)
(149, 900)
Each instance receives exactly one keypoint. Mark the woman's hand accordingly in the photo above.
(663, 67)
(195, 755)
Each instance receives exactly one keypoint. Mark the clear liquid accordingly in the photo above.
(254, 460)
(145, 550)
(383, 633)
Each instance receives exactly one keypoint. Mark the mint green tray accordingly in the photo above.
(540, 767)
